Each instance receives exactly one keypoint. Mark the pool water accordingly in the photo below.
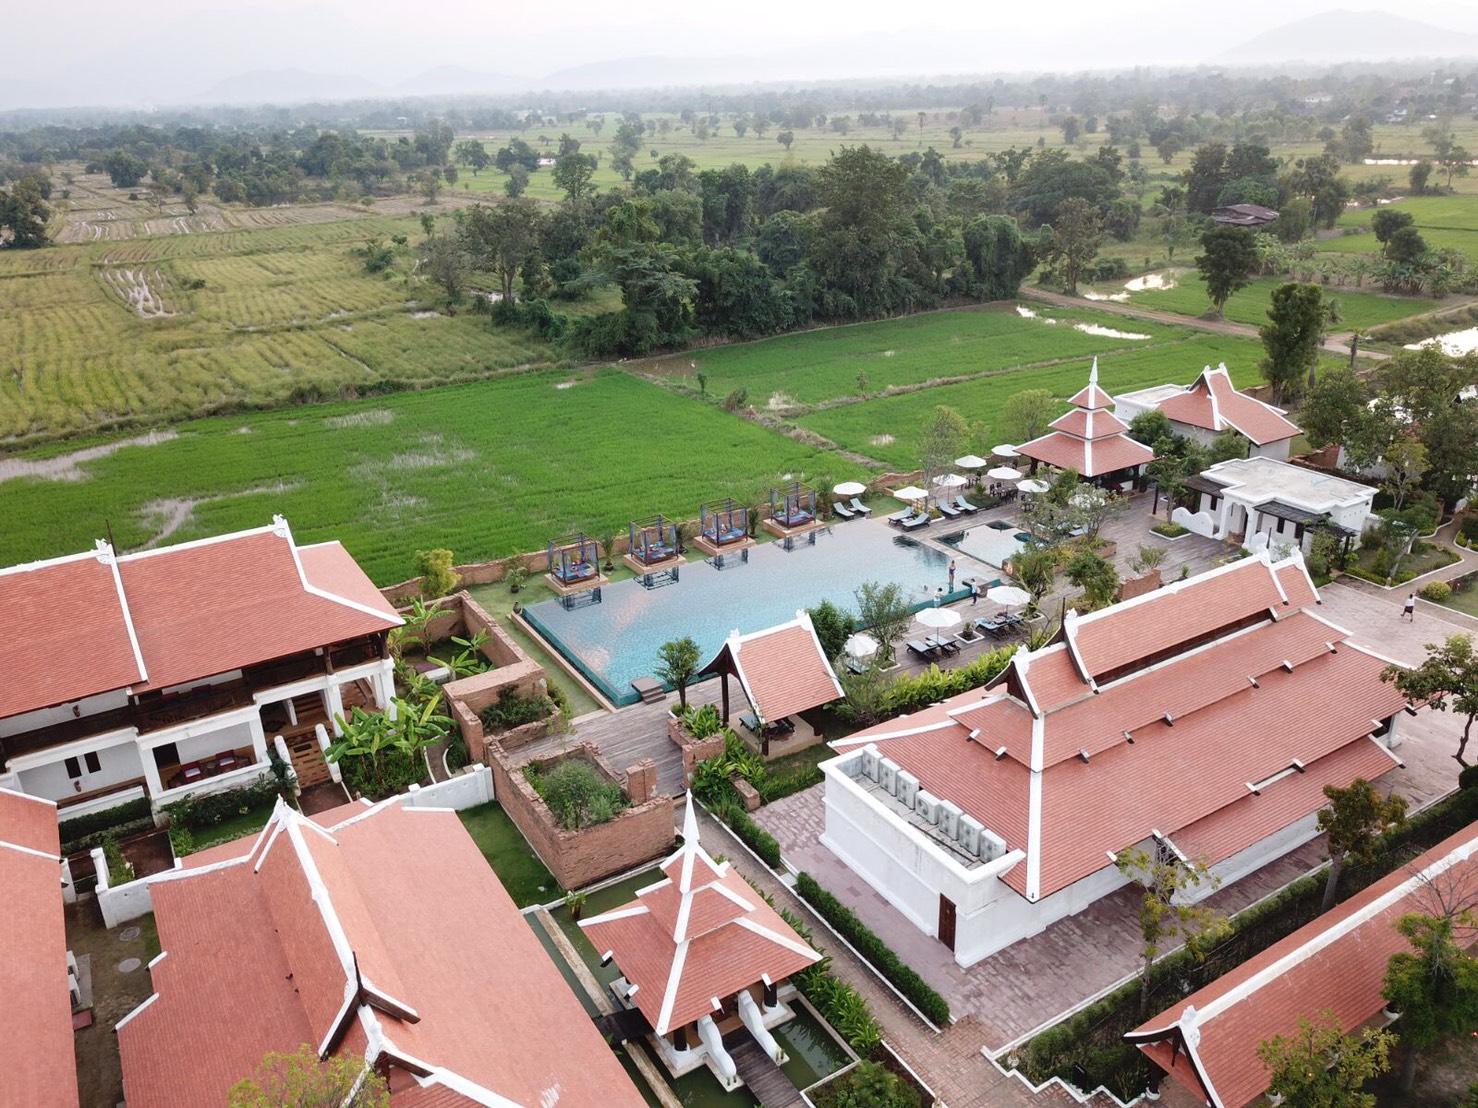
(990, 543)
(618, 638)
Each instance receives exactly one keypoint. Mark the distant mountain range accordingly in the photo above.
(1348, 36)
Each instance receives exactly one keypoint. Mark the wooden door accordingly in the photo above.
(947, 921)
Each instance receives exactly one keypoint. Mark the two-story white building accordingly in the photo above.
(1194, 721)
(168, 672)
(1288, 503)
(1210, 405)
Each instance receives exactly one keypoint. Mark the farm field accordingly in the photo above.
(887, 428)
(178, 326)
(487, 469)
(1357, 309)
(1446, 222)
(816, 366)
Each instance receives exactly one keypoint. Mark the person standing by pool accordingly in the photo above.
(951, 575)
(974, 591)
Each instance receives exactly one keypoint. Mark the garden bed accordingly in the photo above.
(1424, 558)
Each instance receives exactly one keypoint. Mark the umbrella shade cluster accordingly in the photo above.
(950, 481)
(850, 488)
(910, 492)
(972, 461)
(1008, 595)
(1005, 450)
(1003, 473)
(939, 618)
(1034, 486)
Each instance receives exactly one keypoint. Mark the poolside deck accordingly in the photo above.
(631, 734)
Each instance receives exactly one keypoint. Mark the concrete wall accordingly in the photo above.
(236, 736)
(579, 858)
(468, 789)
(121, 762)
(121, 903)
(48, 717)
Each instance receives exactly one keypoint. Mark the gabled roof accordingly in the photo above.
(1089, 438)
(338, 936)
(1209, 1041)
(1212, 403)
(164, 617)
(782, 669)
(1120, 728)
(36, 1050)
(696, 937)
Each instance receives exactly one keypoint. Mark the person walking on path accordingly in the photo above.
(1408, 611)
(951, 575)
(974, 591)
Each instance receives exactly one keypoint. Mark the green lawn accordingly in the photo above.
(487, 469)
(1444, 221)
(1357, 309)
(887, 428)
(503, 845)
(234, 827)
(815, 366)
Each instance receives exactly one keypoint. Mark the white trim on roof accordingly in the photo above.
(903, 733)
(47, 563)
(280, 528)
(124, 1021)
(617, 913)
(470, 1089)
(1374, 654)
(57, 858)
(792, 945)
(1034, 811)
(669, 995)
(111, 561)
(27, 796)
(209, 540)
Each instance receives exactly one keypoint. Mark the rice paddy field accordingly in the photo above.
(1446, 222)
(888, 428)
(1357, 308)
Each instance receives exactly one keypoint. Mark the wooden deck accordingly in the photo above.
(767, 1081)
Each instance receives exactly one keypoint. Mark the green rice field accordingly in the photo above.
(1357, 309)
(1444, 221)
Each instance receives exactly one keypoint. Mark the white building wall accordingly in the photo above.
(234, 736)
(1260, 853)
(1278, 450)
(117, 763)
(49, 717)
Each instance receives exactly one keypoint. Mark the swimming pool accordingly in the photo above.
(612, 641)
(989, 543)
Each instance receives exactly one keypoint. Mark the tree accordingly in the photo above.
(1387, 221)
(1150, 426)
(1292, 338)
(833, 627)
(1406, 246)
(1073, 241)
(1035, 570)
(518, 181)
(1095, 576)
(1434, 985)
(942, 441)
(1000, 257)
(1447, 676)
(1226, 263)
(1164, 915)
(430, 183)
(1071, 129)
(472, 153)
(883, 610)
(498, 238)
(24, 213)
(1148, 558)
(1406, 462)
(1354, 820)
(1026, 414)
(404, 728)
(302, 1080)
(1320, 1066)
(1420, 175)
(125, 170)
(444, 262)
(572, 174)
(677, 663)
(785, 138)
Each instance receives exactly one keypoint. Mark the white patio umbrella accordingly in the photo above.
(910, 492)
(1005, 450)
(950, 481)
(972, 461)
(1031, 484)
(1008, 595)
(850, 488)
(1003, 473)
(939, 618)
(861, 645)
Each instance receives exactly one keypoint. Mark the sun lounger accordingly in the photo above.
(923, 650)
(943, 645)
(964, 505)
(916, 521)
(860, 508)
(842, 511)
(899, 517)
(948, 510)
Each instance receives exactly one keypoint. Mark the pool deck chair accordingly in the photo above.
(915, 521)
(574, 565)
(842, 511)
(652, 545)
(964, 505)
(949, 509)
(723, 527)
(792, 510)
(899, 517)
(860, 508)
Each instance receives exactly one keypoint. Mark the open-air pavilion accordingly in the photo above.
(574, 564)
(652, 544)
(723, 527)
(704, 960)
(1091, 440)
(782, 671)
(792, 509)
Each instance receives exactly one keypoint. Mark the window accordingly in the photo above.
(74, 768)
(90, 760)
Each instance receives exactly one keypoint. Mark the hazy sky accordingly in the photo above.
(176, 49)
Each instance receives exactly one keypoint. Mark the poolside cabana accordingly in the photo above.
(792, 509)
(782, 671)
(704, 959)
(574, 564)
(723, 527)
(652, 545)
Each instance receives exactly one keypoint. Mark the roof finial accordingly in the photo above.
(690, 824)
(1093, 373)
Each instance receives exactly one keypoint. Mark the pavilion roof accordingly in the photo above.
(783, 669)
(1089, 438)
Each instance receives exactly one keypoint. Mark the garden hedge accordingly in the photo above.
(866, 942)
(79, 827)
(750, 833)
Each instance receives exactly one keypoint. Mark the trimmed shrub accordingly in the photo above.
(1468, 778)
(913, 692)
(209, 809)
(576, 793)
(1436, 591)
(866, 942)
(130, 811)
(435, 570)
(751, 834)
(1170, 530)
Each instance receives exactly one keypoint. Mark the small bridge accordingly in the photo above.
(767, 1081)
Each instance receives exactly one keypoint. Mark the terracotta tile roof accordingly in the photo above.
(36, 1050)
(679, 971)
(253, 964)
(195, 610)
(1066, 451)
(1335, 962)
(1090, 395)
(1262, 423)
(1180, 612)
(783, 669)
(1085, 423)
(62, 604)
(1297, 585)
(1054, 679)
(1192, 407)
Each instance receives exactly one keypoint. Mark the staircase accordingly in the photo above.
(302, 741)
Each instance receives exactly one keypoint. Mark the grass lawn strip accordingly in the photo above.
(503, 845)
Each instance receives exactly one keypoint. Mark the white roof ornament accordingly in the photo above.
(1093, 373)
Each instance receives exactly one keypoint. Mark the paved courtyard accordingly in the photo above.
(1034, 981)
